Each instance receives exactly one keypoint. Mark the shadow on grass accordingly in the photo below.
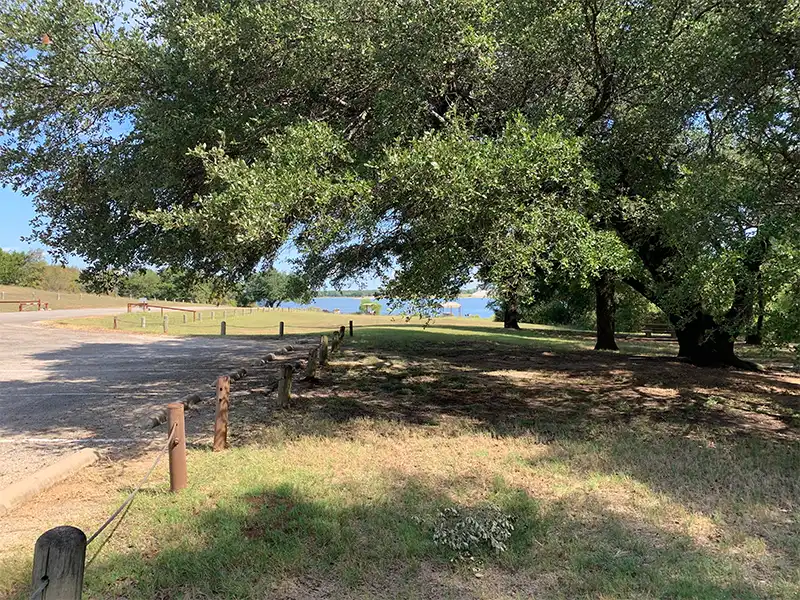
(281, 542)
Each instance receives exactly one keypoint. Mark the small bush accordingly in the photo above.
(468, 531)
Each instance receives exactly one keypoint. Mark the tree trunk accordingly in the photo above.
(755, 338)
(511, 312)
(606, 310)
(704, 343)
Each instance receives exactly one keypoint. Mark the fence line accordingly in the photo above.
(132, 495)
(60, 554)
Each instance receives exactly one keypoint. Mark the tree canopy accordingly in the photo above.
(435, 140)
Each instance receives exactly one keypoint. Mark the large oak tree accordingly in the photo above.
(662, 145)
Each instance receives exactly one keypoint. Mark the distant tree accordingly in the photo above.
(21, 268)
(56, 278)
(271, 287)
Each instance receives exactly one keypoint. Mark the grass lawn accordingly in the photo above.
(59, 300)
(629, 475)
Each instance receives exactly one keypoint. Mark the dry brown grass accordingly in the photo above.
(629, 476)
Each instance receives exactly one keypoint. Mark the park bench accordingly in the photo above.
(651, 328)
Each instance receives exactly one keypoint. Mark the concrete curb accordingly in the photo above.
(19, 492)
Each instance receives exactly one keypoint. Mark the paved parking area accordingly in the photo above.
(62, 389)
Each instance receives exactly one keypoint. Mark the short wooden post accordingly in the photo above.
(351, 329)
(212, 315)
(58, 561)
(166, 323)
(184, 318)
(285, 385)
(144, 322)
(200, 316)
(221, 418)
(323, 350)
(335, 341)
(311, 365)
(177, 449)
(280, 329)
(116, 323)
(223, 328)
(341, 332)
(58, 296)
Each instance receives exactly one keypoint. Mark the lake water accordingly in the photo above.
(469, 306)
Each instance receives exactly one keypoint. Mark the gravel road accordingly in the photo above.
(62, 389)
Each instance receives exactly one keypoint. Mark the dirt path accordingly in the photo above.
(62, 389)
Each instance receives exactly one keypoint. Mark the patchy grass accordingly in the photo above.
(625, 475)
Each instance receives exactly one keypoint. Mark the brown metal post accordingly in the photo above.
(177, 449)
(221, 418)
(351, 329)
(58, 563)
(280, 329)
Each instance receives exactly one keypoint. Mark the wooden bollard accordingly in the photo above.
(311, 365)
(166, 323)
(351, 329)
(200, 316)
(184, 318)
(58, 563)
(116, 323)
(144, 322)
(335, 341)
(280, 329)
(341, 332)
(177, 449)
(221, 418)
(323, 350)
(223, 328)
(212, 315)
(285, 385)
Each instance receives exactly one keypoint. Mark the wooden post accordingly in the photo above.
(144, 322)
(58, 296)
(212, 315)
(285, 385)
(311, 365)
(280, 329)
(221, 418)
(184, 318)
(58, 561)
(341, 332)
(166, 323)
(177, 449)
(200, 316)
(116, 324)
(351, 329)
(223, 328)
(335, 341)
(323, 350)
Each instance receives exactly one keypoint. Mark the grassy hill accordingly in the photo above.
(59, 300)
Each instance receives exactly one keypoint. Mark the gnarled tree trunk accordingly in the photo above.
(703, 342)
(511, 313)
(606, 310)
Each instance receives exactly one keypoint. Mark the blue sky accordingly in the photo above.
(16, 212)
